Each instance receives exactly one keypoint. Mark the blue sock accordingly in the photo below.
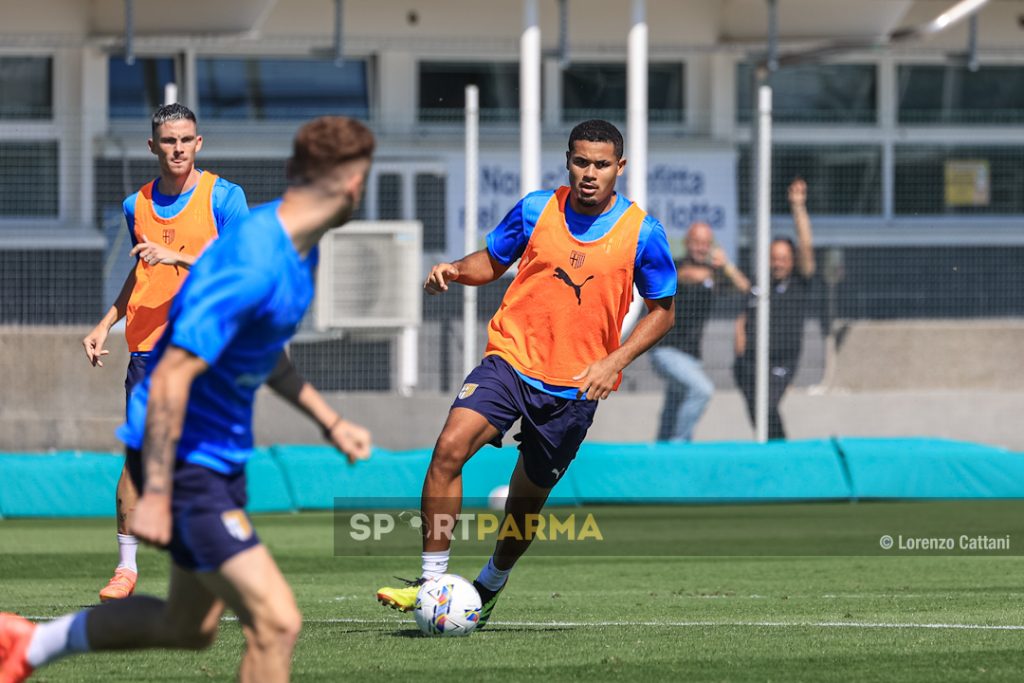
(491, 577)
(58, 638)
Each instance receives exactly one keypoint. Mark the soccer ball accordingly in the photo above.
(447, 606)
(496, 500)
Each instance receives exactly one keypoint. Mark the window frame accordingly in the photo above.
(36, 54)
(876, 122)
(209, 122)
(685, 117)
(421, 59)
(917, 60)
(179, 61)
(42, 130)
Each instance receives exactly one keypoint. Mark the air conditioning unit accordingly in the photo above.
(369, 276)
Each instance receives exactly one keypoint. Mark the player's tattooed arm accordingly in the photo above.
(159, 446)
(169, 388)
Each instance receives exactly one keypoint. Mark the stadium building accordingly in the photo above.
(913, 154)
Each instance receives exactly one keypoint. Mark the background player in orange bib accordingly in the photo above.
(170, 220)
(553, 346)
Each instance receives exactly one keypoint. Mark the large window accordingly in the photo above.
(819, 93)
(442, 90)
(258, 88)
(428, 202)
(841, 179)
(930, 94)
(135, 91)
(931, 180)
(26, 88)
(592, 90)
(30, 188)
(430, 209)
(389, 197)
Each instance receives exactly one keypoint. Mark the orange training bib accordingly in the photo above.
(565, 308)
(155, 286)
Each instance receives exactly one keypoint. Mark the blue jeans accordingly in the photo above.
(687, 392)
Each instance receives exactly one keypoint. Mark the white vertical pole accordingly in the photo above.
(563, 34)
(529, 98)
(636, 130)
(339, 33)
(408, 361)
(764, 216)
(170, 93)
(469, 350)
(129, 32)
(636, 104)
(887, 115)
(189, 86)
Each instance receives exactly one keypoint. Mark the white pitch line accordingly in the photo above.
(693, 624)
(672, 624)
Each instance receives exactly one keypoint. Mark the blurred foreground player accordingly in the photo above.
(192, 418)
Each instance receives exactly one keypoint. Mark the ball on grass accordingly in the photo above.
(497, 497)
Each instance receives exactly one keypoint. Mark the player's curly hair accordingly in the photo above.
(325, 143)
(597, 130)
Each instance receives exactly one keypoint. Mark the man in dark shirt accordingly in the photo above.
(792, 267)
(677, 359)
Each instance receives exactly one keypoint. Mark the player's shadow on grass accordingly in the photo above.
(416, 633)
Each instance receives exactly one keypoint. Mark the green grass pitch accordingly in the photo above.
(717, 614)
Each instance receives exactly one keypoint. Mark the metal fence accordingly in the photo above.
(916, 225)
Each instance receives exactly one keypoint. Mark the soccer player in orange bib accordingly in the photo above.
(170, 220)
(553, 347)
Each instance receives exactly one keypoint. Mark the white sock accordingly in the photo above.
(127, 544)
(435, 563)
(491, 577)
(58, 638)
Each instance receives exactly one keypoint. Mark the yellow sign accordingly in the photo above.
(967, 182)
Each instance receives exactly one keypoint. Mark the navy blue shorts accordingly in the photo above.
(551, 430)
(210, 523)
(136, 372)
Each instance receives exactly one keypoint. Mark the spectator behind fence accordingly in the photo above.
(792, 267)
(677, 359)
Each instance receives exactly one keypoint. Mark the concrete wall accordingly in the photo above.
(53, 400)
(948, 355)
(988, 417)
